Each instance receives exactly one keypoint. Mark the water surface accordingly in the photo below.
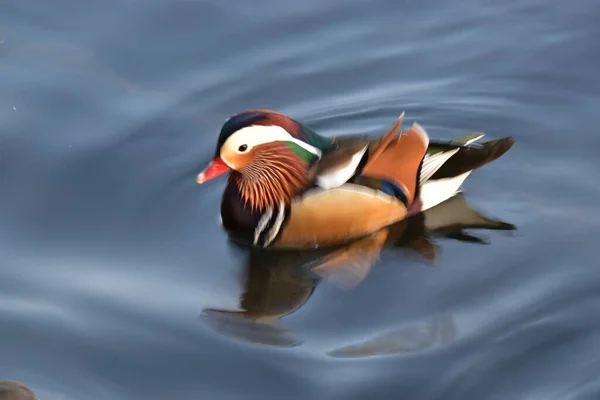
(117, 282)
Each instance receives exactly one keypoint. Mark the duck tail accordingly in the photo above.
(467, 159)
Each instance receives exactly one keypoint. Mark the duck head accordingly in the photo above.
(268, 155)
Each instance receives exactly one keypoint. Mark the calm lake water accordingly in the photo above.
(117, 282)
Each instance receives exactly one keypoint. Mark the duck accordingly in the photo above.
(292, 188)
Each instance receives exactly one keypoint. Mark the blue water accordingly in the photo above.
(113, 265)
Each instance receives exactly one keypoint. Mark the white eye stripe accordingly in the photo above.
(255, 135)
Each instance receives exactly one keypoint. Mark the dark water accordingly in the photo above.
(115, 274)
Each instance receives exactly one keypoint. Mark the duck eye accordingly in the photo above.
(243, 148)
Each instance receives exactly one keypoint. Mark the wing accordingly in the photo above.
(339, 165)
(392, 158)
(440, 152)
(471, 157)
(397, 159)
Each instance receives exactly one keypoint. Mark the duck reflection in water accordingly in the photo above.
(277, 283)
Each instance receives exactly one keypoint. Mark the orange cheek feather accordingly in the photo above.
(235, 160)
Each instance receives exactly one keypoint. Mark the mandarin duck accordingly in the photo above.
(290, 187)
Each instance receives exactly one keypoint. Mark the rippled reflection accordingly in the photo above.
(417, 337)
(277, 283)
